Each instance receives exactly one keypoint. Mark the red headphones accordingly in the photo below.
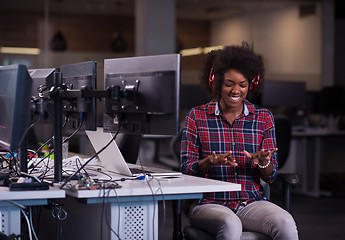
(211, 79)
(254, 83)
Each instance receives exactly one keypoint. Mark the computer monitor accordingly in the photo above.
(286, 94)
(15, 101)
(144, 94)
(42, 81)
(333, 100)
(193, 95)
(76, 77)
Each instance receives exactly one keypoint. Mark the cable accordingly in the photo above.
(118, 217)
(77, 130)
(28, 223)
(14, 203)
(32, 226)
(103, 208)
(27, 130)
(86, 173)
(153, 195)
(42, 176)
(102, 211)
(163, 200)
(94, 156)
(102, 172)
(15, 161)
(44, 144)
(22, 208)
(57, 214)
(50, 153)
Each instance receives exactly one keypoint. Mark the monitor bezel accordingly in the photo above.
(21, 107)
(144, 65)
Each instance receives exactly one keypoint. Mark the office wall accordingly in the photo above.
(88, 38)
(290, 45)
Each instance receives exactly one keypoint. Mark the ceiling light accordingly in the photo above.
(209, 49)
(199, 50)
(191, 51)
(20, 50)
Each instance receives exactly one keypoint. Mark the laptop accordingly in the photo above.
(112, 159)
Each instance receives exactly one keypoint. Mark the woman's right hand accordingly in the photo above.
(223, 159)
(213, 159)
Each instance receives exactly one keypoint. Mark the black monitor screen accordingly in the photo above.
(283, 94)
(145, 94)
(15, 98)
(333, 100)
(193, 95)
(76, 77)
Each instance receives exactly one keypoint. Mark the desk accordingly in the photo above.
(135, 211)
(307, 153)
(10, 213)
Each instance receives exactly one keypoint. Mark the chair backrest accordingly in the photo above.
(283, 137)
(175, 146)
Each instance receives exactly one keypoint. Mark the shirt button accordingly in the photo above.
(235, 173)
(233, 144)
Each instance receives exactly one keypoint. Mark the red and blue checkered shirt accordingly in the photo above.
(206, 130)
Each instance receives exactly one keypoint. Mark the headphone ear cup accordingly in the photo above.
(211, 79)
(255, 83)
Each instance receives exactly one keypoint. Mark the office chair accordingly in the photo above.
(283, 137)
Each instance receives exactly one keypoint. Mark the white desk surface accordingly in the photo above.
(184, 185)
(51, 193)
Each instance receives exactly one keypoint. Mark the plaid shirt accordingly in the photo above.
(207, 130)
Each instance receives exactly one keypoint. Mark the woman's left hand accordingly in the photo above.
(261, 157)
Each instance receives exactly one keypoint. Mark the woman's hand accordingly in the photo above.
(223, 159)
(261, 157)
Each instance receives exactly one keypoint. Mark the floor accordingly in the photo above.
(316, 218)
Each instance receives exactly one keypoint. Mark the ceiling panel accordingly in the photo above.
(185, 9)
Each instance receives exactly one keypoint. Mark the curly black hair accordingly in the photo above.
(241, 58)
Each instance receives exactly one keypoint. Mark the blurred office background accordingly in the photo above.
(300, 41)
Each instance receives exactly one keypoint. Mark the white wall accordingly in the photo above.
(290, 45)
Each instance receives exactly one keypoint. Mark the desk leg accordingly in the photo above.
(134, 220)
(309, 154)
(177, 234)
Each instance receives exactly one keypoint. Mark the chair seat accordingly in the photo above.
(291, 178)
(192, 233)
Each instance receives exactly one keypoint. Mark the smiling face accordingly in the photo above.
(234, 90)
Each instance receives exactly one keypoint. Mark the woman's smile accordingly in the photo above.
(234, 90)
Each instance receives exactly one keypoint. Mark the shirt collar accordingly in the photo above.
(245, 111)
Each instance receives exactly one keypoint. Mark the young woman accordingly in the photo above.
(233, 140)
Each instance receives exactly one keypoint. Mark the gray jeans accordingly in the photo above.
(260, 216)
